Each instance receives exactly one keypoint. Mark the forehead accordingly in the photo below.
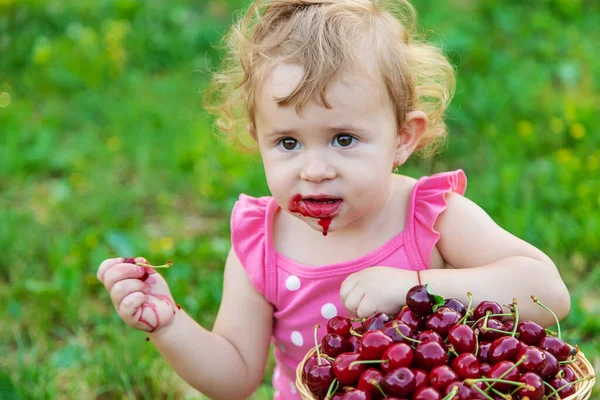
(353, 95)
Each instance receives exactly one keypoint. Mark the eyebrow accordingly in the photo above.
(334, 128)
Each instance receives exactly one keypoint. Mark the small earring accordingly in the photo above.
(395, 170)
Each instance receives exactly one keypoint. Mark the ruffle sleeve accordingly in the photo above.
(428, 201)
(248, 237)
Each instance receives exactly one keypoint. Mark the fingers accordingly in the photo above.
(130, 305)
(365, 308)
(347, 286)
(125, 287)
(119, 272)
(353, 300)
(105, 265)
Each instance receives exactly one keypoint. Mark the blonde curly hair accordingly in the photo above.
(323, 37)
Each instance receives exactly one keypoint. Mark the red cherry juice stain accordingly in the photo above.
(294, 206)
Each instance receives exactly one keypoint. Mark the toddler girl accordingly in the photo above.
(337, 95)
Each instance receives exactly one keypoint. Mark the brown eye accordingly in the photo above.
(343, 140)
(289, 144)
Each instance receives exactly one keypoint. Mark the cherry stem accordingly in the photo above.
(451, 394)
(451, 350)
(476, 342)
(405, 337)
(463, 320)
(498, 331)
(516, 308)
(317, 326)
(491, 315)
(143, 264)
(332, 388)
(500, 394)
(539, 303)
(378, 386)
(354, 363)
(474, 386)
(566, 362)
(515, 365)
(354, 333)
(556, 391)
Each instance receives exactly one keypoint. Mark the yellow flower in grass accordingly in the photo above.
(525, 128)
(166, 244)
(577, 130)
(564, 156)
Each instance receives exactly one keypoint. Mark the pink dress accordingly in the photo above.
(304, 296)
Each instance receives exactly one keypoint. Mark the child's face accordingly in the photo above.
(344, 154)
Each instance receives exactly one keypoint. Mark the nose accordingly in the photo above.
(317, 167)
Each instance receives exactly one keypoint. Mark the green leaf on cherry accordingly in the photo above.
(438, 301)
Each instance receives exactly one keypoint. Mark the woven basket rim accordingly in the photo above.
(582, 367)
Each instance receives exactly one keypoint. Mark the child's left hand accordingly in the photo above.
(376, 289)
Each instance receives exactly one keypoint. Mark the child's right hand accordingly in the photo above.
(140, 295)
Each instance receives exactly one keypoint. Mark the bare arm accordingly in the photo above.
(493, 264)
(229, 362)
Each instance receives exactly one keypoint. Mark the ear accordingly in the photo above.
(409, 136)
(252, 131)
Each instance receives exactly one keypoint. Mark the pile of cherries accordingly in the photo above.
(436, 349)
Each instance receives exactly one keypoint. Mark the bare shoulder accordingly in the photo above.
(470, 237)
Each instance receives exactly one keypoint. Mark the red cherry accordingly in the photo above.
(421, 377)
(356, 394)
(420, 301)
(509, 325)
(129, 260)
(353, 343)
(333, 344)
(390, 329)
(414, 321)
(319, 378)
(338, 396)
(488, 335)
(427, 393)
(485, 306)
(339, 325)
(484, 369)
(313, 360)
(399, 382)
(369, 380)
(462, 338)
(566, 391)
(430, 336)
(530, 332)
(551, 368)
(536, 389)
(442, 320)
(557, 347)
(376, 321)
(429, 355)
(482, 354)
(466, 366)
(373, 344)
(397, 355)
(499, 369)
(441, 376)
(535, 361)
(344, 372)
(456, 305)
(464, 392)
(504, 349)
(567, 373)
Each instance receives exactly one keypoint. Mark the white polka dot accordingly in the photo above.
(293, 387)
(297, 338)
(276, 374)
(292, 283)
(328, 311)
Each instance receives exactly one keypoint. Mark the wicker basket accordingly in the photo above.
(582, 367)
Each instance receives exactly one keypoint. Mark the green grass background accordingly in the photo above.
(105, 150)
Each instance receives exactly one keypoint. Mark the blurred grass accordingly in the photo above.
(105, 150)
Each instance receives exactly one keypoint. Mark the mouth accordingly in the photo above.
(322, 206)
